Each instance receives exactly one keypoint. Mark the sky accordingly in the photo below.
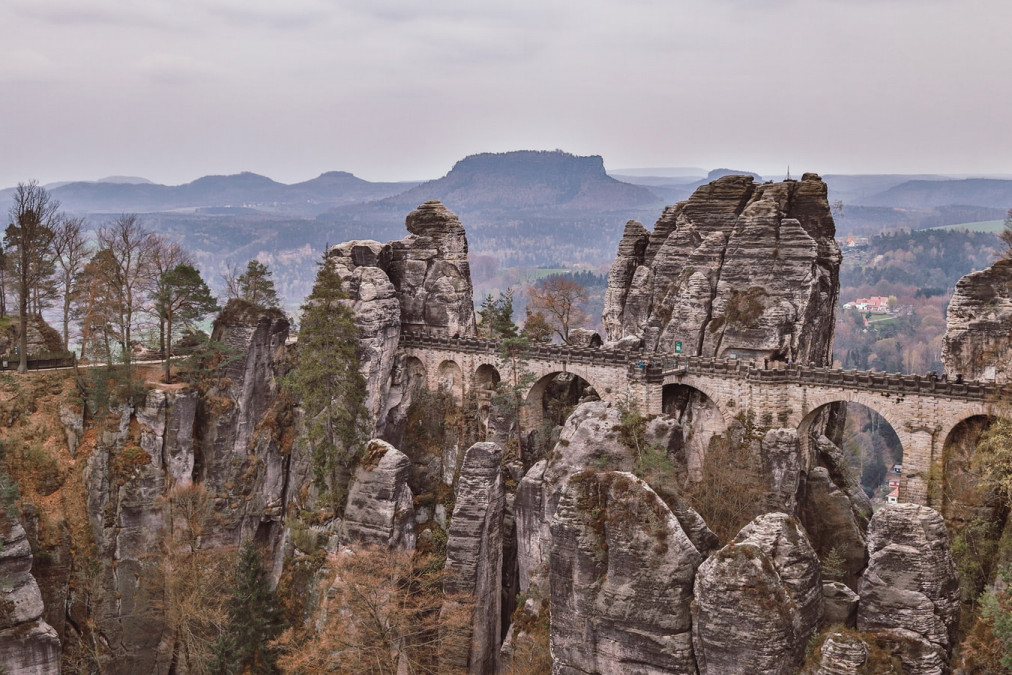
(400, 90)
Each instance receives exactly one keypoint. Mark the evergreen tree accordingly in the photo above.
(329, 385)
(256, 286)
(253, 619)
(496, 316)
(183, 298)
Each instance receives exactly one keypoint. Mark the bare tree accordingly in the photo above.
(132, 249)
(29, 235)
(561, 300)
(71, 253)
(97, 306)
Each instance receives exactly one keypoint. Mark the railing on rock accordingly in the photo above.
(39, 362)
(655, 367)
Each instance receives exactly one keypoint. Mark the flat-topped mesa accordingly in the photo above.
(738, 269)
(978, 331)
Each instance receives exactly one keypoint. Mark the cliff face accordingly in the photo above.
(738, 269)
(978, 331)
(27, 643)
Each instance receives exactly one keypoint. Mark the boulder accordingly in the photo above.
(758, 600)
(621, 579)
(978, 325)
(842, 654)
(474, 556)
(380, 510)
(840, 604)
(910, 592)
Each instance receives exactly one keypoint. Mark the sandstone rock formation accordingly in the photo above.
(380, 510)
(840, 604)
(421, 283)
(27, 643)
(621, 579)
(978, 331)
(474, 554)
(910, 593)
(842, 654)
(783, 467)
(737, 269)
(758, 600)
(589, 439)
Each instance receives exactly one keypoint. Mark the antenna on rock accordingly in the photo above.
(788, 172)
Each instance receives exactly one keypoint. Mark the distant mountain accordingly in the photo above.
(527, 179)
(246, 190)
(987, 192)
(523, 208)
(852, 189)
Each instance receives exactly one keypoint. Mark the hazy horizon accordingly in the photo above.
(392, 91)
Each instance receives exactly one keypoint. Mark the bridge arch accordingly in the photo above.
(415, 377)
(700, 418)
(450, 377)
(548, 403)
(890, 443)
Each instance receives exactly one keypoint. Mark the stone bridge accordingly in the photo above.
(924, 411)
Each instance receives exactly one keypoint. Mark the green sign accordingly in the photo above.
(678, 347)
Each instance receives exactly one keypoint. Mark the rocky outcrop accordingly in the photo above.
(474, 555)
(429, 268)
(738, 269)
(842, 654)
(420, 283)
(27, 643)
(758, 600)
(245, 429)
(590, 438)
(783, 467)
(910, 593)
(978, 330)
(373, 299)
(621, 579)
(380, 509)
(833, 524)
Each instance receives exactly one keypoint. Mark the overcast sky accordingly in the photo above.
(400, 89)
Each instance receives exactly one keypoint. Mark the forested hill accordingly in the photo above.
(245, 190)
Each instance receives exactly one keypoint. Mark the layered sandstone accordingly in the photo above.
(978, 331)
(758, 600)
(621, 579)
(474, 555)
(910, 592)
(738, 269)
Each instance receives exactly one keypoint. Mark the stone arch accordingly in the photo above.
(701, 421)
(959, 495)
(894, 475)
(415, 377)
(550, 400)
(450, 377)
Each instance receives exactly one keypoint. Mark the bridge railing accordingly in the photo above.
(655, 367)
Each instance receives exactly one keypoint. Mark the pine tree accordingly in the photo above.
(182, 298)
(496, 316)
(253, 619)
(256, 286)
(329, 385)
